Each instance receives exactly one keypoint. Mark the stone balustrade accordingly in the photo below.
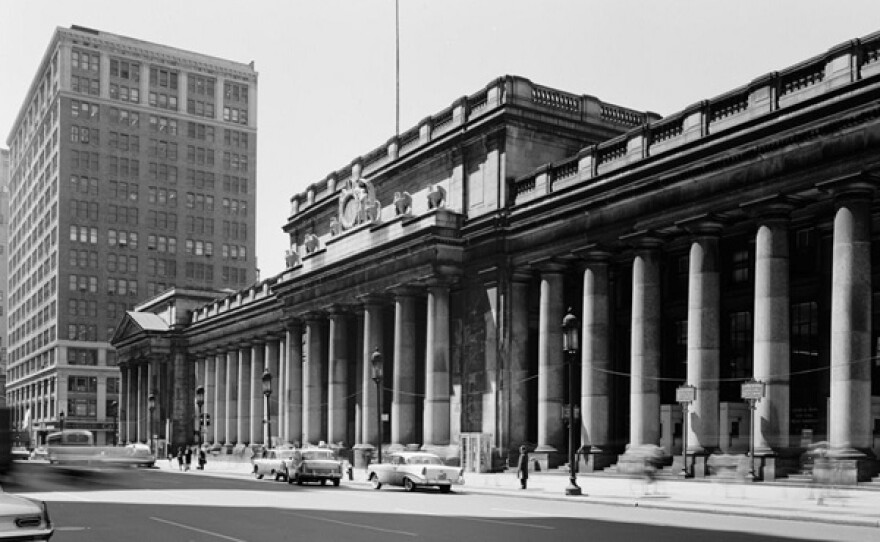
(509, 90)
(823, 76)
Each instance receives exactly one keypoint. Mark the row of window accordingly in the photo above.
(234, 252)
(195, 247)
(163, 100)
(83, 234)
(235, 91)
(234, 138)
(163, 172)
(84, 185)
(85, 85)
(199, 155)
(235, 207)
(83, 210)
(200, 179)
(235, 185)
(117, 214)
(234, 114)
(161, 243)
(125, 69)
(200, 108)
(84, 60)
(200, 225)
(122, 263)
(238, 162)
(82, 307)
(125, 93)
(85, 110)
(123, 190)
(163, 125)
(124, 117)
(161, 268)
(162, 220)
(84, 135)
(123, 167)
(85, 160)
(124, 142)
(162, 196)
(233, 275)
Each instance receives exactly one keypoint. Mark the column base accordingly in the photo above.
(363, 455)
(836, 471)
(596, 459)
(546, 457)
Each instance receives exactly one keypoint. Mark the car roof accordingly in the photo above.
(415, 454)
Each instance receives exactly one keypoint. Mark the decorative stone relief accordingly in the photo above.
(358, 204)
(436, 197)
(402, 204)
(312, 243)
(291, 258)
(335, 227)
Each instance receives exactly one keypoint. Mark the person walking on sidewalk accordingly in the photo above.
(187, 457)
(202, 458)
(522, 467)
(179, 458)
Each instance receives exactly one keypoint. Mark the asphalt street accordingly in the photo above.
(166, 505)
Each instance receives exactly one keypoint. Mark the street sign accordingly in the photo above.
(685, 394)
(752, 390)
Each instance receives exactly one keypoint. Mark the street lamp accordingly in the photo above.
(200, 401)
(61, 420)
(152, 406)
(267, 391)
(376, 366)
(114, 409)
(570, 330)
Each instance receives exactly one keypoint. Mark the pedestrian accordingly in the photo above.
(202, 458)
(188, 457)
(522, 467)
(180, 458)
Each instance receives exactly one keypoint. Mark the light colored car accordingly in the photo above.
(415, 469)
(20, 452)
(40, 452)
(24, 519)
(313, 465)
(271, 463)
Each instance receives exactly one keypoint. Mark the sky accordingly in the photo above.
(326, 90)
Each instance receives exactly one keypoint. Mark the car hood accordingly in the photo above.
(10, 505)
(321, 462)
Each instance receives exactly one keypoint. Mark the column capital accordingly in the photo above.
(703, 225)
(592, 253)
(776, 207)
(337, 310)
(643, 240)
(404, 290)
(522, 274)
(291, 323)
(856, 186)
(373, 299)
(314, 316)
(549, 266)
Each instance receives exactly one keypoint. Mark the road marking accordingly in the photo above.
(482, 520)
(196, 529)
(528, 512)
(347, 524)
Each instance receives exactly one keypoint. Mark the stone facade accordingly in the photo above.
(730, 241)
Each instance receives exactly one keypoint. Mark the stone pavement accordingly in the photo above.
(858, 506)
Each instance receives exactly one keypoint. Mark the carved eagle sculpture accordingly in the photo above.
(402, 203)
(436, 197)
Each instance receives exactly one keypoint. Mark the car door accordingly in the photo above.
(398, 464)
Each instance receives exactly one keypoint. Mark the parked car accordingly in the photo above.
(20, 452)
(24, 519)
(270, 462)
(415, 469)
(313, 465)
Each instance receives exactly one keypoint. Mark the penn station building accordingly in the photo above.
(720, 263)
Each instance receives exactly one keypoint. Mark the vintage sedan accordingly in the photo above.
(24, 519)
(415, 469)
(313, 465)
(271, 462)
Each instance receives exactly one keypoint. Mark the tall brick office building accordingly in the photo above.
(132, 170)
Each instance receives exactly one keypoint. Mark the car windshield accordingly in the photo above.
(285, 455)
(318, 454)
(424, 460)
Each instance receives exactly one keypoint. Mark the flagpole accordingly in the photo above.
(397, 67)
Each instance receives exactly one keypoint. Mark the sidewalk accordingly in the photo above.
(837, 505)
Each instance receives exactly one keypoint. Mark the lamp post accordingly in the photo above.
(570, 330)
(151, 400)
(376, 366)
(114, 408)
(267, 391)
(61, 420)
(200, 401)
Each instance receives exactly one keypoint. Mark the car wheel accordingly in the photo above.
(299, 480)
(257, 474)
(374, 481)
(336, 482)
(409, 485)
(323, 481)
(445, 489)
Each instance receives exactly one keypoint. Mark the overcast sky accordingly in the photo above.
(326, 67)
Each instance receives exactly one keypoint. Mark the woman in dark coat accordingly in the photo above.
(522, 467)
